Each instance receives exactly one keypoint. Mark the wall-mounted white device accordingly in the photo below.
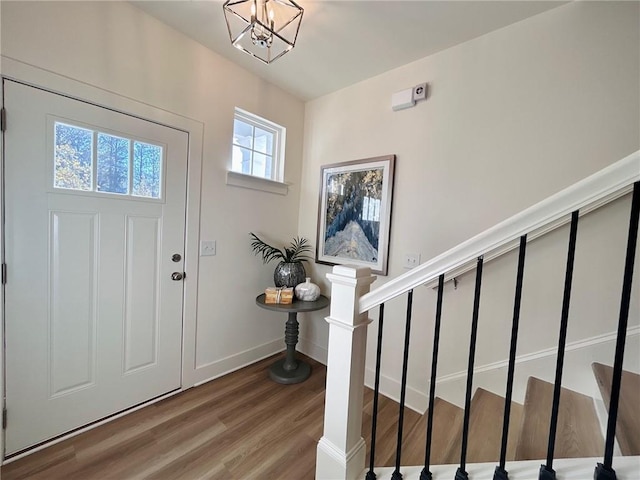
(402, 100)
(408, 98)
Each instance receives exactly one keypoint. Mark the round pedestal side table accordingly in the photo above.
(290, 369)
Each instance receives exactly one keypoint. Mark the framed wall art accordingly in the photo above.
(354, 213)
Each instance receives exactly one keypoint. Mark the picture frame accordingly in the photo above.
(354, 213)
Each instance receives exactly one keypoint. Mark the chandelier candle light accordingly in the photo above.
(265, 29)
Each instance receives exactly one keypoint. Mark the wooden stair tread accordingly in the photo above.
(485, 427)
(446, 438)
(578, 431)
(387, 429)
(628, 424)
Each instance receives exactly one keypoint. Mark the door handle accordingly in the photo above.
(177, 276)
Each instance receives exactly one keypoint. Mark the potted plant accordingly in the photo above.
(290, 271)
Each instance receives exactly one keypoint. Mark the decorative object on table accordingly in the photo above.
(265, 29)
(290, 271)
(354, 213)
(307, 291)
(282, 296)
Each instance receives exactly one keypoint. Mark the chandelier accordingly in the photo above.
(265, 29)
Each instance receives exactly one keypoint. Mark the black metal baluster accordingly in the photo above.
(376, 390)
(546, 471)
(403, 388)
(461, 473)
(426, 473)
(501, 473)
(605, 471)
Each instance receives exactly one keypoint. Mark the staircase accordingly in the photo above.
(555, 425)
(579, 430)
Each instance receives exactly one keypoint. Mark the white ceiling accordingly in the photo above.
(343, 42)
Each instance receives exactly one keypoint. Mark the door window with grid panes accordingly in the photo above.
(93, 161)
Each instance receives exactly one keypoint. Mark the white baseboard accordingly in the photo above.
(390, 387)
(577, 345)
(210, 371)
(312, 350)
(577, 374)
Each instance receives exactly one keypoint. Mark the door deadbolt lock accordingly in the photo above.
(178, 276)
(176, 257)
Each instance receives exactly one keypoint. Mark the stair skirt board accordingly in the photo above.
(628, 425)
(627, 468)
(603, 418)
(577, 376)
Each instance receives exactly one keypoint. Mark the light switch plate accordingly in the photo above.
(207, 248)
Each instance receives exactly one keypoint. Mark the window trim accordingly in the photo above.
(279, 140)
(254, 182)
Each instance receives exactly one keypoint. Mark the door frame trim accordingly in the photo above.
(15, 70)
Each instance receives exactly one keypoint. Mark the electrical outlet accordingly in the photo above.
(411, 260)
(207, 248)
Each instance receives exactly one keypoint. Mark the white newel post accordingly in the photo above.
(341, 450)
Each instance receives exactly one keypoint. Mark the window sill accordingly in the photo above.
(256, 183)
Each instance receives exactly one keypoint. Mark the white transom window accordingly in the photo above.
(258, 146)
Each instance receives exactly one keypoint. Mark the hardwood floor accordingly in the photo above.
(244, 426)
(239, 426)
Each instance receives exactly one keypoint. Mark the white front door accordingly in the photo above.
(94, 229)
